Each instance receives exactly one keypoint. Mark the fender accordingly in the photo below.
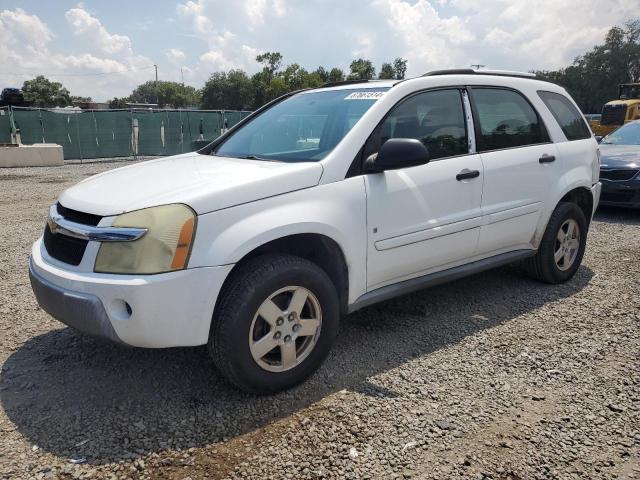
(336, 210)
(572, 182)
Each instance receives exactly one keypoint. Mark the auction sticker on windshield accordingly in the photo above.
(364, 95)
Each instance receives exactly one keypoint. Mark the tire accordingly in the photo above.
(254, 305)
(544, 266)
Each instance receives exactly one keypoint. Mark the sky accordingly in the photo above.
(104, 49)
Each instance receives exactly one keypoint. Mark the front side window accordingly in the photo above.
(567, 116)
(302, 128)
(436, 118)
(506, 120)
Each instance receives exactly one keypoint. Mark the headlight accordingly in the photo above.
(164, 248)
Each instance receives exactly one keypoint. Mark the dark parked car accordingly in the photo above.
(620, 167)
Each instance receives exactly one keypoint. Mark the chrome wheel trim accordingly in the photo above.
(567, 244)
(281, 336)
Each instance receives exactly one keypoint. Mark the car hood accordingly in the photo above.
(619, 156)
(205, 183)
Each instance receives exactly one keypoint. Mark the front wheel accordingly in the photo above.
(562, 246)
(277, 318)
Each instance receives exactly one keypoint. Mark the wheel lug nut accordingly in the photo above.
(296, 327)
(279, 321)
(291, 317)
(287, 338)
(277, 335)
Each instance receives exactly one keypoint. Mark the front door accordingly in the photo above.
(424, 218)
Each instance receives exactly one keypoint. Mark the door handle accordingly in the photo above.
(467, 174)
(547, 158)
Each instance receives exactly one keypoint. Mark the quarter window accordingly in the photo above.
(567, 115)
(506, 120)
(436, 118)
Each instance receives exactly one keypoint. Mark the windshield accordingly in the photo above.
(628, 134)
(628, 92)
(302, 128)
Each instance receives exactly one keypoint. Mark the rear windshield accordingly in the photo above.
(303, 128)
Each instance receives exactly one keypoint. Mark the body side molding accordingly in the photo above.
(408, 286)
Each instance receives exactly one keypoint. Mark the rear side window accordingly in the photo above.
(506, 120)
(567, 116)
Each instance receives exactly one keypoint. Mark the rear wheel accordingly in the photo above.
(276, 320)
(562, 247)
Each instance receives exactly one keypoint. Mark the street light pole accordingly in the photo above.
(157, 93)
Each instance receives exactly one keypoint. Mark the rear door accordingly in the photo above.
(519, 166)
(423, 218)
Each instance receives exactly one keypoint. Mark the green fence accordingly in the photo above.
(116, 133)
(5, 125)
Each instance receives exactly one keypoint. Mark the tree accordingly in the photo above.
(322, 74)
(263, 82)
(232, 90)
(592, 79)
(399, 68)
(386, 72)
(362, 70)
(336, 75)
(295, 77)
(166, 94)
(314, 79)
(272, 61)
(116, 102)
(42, 92)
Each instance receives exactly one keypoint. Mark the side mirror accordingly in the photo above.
(397, 153)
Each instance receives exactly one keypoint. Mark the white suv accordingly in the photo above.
(322, 202)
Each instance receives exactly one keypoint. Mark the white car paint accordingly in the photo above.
(390, 226)
(339, 212)
(171, 309)
(200, 181)
(420, 218)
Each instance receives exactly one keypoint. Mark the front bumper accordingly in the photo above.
(620, 194)
(164, 310)
(82, 311)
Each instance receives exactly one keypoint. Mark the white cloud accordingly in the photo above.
(217, 61)
(112, 66)
(18, 27)
(222, 34)
(175, 55)
(511, 34)
(193, 11)
(84, 24)
(545, 34)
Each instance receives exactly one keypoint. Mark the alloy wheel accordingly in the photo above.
(567, 244)
(285, 329)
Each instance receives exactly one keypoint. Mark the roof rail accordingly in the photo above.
(343, 82)
(469, 71)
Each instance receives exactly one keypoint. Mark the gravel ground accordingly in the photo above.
(494, 376)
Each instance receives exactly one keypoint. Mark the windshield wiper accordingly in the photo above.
(255, 157)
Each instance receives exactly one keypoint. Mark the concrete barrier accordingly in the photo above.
(37, 155)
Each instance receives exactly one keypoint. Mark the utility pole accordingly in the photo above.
(157, 93)
(182, 76)
(478, 66)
